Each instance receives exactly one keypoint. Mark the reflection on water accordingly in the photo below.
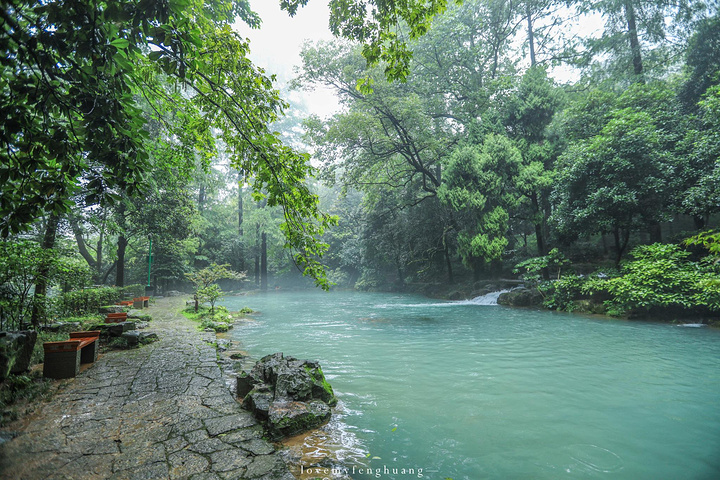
(469, 391)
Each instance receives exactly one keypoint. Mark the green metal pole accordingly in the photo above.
(149, 260)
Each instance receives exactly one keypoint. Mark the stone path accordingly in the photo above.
(163, 411)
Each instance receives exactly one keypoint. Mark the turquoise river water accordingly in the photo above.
(459, 390)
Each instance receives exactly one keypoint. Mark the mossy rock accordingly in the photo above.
(286, 419)
(521, 297)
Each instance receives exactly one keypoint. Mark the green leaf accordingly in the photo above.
(121, 43)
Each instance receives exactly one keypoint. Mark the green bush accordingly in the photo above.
(219, 320)
(132, 291)
(87, 301)
(661, 278)
(561, 294)
(551, 264)
(82, 302)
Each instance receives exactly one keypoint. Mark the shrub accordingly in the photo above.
(553, 263)
(219, 320)
(560, 294)
(82, 302)
(661, 278)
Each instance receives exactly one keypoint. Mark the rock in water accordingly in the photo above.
(521, 297)
(291, 396)
(286, 419)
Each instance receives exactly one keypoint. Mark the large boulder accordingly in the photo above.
(15, 351)
(286, 419)
(521, 297)
(113, 329)
(291, 396)
(134, 337)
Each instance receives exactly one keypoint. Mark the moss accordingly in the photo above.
(319, 377)
(119, 343)
(218, 320)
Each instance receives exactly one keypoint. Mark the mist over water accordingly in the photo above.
(468, 391)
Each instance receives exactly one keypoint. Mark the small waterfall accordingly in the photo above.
(487, 299)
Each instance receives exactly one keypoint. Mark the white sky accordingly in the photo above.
(276, 46)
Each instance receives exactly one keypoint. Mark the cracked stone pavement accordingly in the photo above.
(162, 411)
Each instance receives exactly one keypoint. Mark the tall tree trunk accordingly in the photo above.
(530, 34)
(241, 253)
(699, 222)
(448, 262)
(38, 309)
(263, 263)
(82, 248)
(201, 199)
(538, 225)
(622, 237)
(99, 255)
(121, 245)
(655, 231)
(257, 256)
(120, 275)
(634, 40)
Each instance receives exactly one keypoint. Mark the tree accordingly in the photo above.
(616, 181)
(382, 28)
(386, 138)
(204, 281)
(479, 186)
(73, 74)
(528, 113)
(699, 195)
(641, 36)
(702, 62)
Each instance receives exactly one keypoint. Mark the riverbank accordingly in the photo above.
(165, 410)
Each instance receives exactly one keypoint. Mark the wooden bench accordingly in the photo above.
(63, 359)
(125, 303)
(141, 302)
(116, 317)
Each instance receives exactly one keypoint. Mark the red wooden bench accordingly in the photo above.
(125, 303)
(63, 359)
(116, 317)
(141, 302)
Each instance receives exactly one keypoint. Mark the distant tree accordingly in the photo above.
(205, 282)
(479, 185)
(615, 182)
(702, 62)
(641, 37)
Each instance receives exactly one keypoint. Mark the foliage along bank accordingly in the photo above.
(660, 282)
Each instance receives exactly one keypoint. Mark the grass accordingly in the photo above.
(219, 320)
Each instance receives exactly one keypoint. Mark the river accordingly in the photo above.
(460, 390)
